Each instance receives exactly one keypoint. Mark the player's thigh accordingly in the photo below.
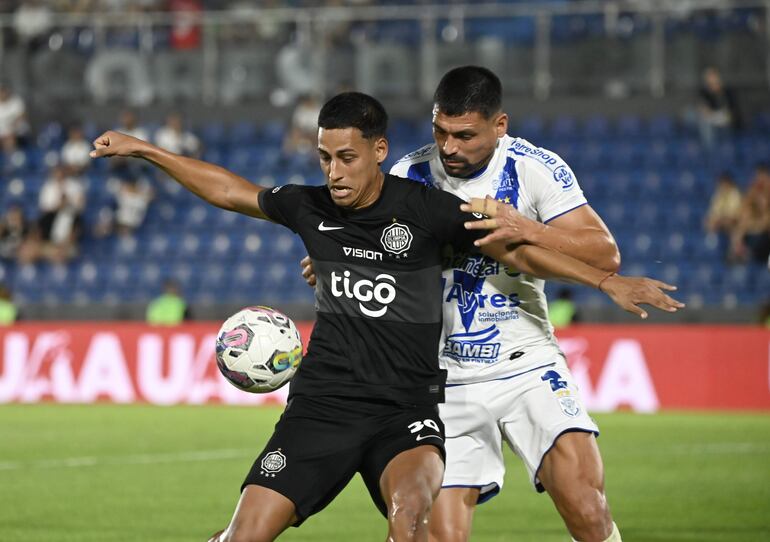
(572, 465)
(451, 518)
(413, 477)
(406, 453)
(474, 456)
(312, 455)
(545, 406)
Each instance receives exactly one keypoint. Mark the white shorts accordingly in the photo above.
(530, 410)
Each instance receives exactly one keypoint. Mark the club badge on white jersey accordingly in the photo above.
(495, 318)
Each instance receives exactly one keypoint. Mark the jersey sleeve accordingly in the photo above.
(282, 204)
(447, 221)
(555, 190)
(415, 166)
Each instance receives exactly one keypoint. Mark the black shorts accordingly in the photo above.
(321, 442)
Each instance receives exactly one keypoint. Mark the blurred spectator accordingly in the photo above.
(297, 66)
(169, 309)
(303, 134)
(185, 29)
(74, 152)
(13, 119)
(562, 311)
(13, 231)
(8, 311)
(132, 198)
(130, 126)
(32, 22)
(172, 137)
(61, 203)
(718, 111)
(725, 206)
(764, 315)
(751, 236)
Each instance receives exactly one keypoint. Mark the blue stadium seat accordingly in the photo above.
(406, 32)
(564, 127)
(661, 127)
(126, 248)
(531, 128)
(212, 134)
(243, 133)
(189, 248)
(629, 127)
(50, 136)
(516, 30)
(650, 185)
(216, 154)
(272, 133)
(198, 216)
(596, 127)
(213, 277)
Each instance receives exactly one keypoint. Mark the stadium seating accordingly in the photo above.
(651, 191)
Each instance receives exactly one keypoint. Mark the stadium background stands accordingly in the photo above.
(618, 118)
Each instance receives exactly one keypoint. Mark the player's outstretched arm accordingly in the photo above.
(580, 233)
(627, 292)
(214, 184)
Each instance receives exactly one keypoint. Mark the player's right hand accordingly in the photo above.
(630, 292)
(307, 271)
(116, 144)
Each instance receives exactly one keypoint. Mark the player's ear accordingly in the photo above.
(501, 124)
(381, 150)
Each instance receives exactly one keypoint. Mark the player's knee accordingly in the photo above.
(410, 510)
(449, 531)
(588, 511)
(593, 514)
(240, 534)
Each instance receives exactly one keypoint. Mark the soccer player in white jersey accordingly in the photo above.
(508, 380)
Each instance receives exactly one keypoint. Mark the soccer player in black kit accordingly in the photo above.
(364, 399)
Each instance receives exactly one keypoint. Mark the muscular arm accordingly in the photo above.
(626, 292)
(581, 233)
(545, 263)
(212, 183)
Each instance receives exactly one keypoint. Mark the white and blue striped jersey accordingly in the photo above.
(495, 318)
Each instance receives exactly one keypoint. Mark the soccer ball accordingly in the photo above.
(258, 349)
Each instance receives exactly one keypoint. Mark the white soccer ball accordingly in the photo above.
(258, 349)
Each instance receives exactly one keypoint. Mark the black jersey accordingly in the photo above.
(378, 292)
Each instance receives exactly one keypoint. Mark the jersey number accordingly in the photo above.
(416, 427)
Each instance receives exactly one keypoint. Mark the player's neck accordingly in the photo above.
(370, 196)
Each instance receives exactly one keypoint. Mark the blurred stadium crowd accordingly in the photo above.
(687, 196)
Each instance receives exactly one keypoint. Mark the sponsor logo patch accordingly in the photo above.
(473, 347)
(563, 175)
(569, 406)
(380, 292)
(362, 253)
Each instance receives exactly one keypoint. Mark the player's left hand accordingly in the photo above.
(630, 292)
(307, 271)
(505, 222)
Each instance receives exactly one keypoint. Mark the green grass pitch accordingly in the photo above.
(106, 473)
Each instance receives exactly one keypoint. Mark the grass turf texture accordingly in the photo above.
(133, 473)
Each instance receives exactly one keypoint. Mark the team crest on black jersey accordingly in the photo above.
(396, 238)
(273, 462)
